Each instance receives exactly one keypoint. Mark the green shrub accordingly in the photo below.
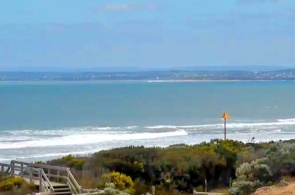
(120, 180)
(282, 159)
(73, 162)
(199, 189)
(244, 187)
(15, 185)
(251, 176)
(141, 187)
(110, 189)
(188, 166)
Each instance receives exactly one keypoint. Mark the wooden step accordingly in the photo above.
(62, 189)
(62, 193)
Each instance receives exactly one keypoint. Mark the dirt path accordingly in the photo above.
(288, 188)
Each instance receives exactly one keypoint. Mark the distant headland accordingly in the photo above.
(155, 75)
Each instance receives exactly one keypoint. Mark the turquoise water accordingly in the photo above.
(82, 117)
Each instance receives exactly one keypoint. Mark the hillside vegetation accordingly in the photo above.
(182, 168)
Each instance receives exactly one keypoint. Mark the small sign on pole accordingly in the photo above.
(225, 116)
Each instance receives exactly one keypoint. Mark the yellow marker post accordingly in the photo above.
(225, 116)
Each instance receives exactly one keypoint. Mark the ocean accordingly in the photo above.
(46, 120)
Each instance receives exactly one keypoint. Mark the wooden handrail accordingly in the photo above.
(3, 165)
(40, 165)
(44, 179)
(19, 169)
(72, 187)
(73, 181)
(43, 173)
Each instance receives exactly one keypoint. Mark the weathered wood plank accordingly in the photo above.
(39, 175)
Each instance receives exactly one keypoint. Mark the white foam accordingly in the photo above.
(14, 138)
(235, 125)
(82, 139)
(265, 130)
(91, 134)
(287, 120)
(131, 127)
(101, 128)
(162, 127)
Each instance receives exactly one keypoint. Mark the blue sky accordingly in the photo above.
(168, 33)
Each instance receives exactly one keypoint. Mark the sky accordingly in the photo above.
(77, 34)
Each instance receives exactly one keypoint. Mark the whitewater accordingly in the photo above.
(47, 120)
(87, 140)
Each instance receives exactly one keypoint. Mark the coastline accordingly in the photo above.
(88, 154)
(212, 80)
(149, 81)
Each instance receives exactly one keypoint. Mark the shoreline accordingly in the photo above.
(88, 155)
(149, 81)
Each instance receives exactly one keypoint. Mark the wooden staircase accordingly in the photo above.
(62, 189)
(50, 179)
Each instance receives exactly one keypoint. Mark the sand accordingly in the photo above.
(282, 189)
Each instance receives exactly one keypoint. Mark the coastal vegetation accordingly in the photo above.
(239, 167)
(14, 185)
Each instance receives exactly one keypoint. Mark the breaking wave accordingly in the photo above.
(88, 138)
(234, 125)
(13, 139)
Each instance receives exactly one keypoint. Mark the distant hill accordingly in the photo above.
(286, 74)
(136, 69)
(234, 68)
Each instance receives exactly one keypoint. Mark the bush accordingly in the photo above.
(256, 170)
(16, 185)
(282, 159)
(110, 190)
(73, 162)
(187, 166)
(140, 187)
(120, 180)
(251, 176)
(244, 187)
(199, 189)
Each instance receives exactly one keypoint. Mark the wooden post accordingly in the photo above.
(31, 174)
(225, 129)
(225, 116)
(12, 169)
(206, 186)
(40, 180)
(153, 190)
(22, 170)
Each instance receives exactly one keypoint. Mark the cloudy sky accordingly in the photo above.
(167, 33)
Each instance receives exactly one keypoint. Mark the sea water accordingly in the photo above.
(45, 120)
